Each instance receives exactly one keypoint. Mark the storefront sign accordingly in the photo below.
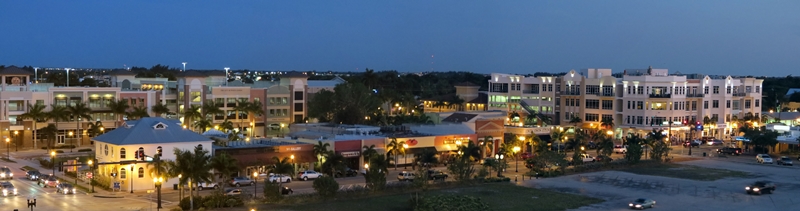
(351, 154)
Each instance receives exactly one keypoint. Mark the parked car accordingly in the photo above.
(279, 178)
(207, 185)
(32, 175)
(308, 174)
(233, 192)
(8, 189)
(239, 181)
(591, 145)
(730, 151)
(620, 149)
(65, 188)
(406, 176)
(763, 158)
(784, 160)
(715, 143)
(436, 175)
(348, 172)
(642, 203)
(760, 187)
(5, 173)
(526, 156)
(695, 143)
(603, 158)
(286, 190)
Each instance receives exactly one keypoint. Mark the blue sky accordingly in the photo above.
(709, 37)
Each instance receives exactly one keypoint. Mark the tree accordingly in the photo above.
(471, 151)
(79, 111)
(461, 168)
(427, 157)
(58, 114)
(558, 135)
(439, 104)
(255, 109)
(369, 152)
(334, 162)
(656, 142)
(605, 147)
(194, 167)
(242, 108)
(191, 114)
(575, 120)
(203, 124)
(95, 128)
(160, 109)
(37, 114)
(138, 113)
(395, 148)
(487, 144)
(349, 103)
(225, 166)
(607, 123)
(459, 103)
(119, 108)
(375, 177)
(326, 186)
(319, 108)
(320, 151)
(50, 132)
(634, 151)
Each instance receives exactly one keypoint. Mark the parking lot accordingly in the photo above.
(619, 188)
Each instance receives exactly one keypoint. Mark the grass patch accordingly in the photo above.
(7, 160)
(499, 196)
(686, 172)
(28, 168)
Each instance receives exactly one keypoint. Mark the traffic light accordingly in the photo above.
(141, 155)
(136, 154)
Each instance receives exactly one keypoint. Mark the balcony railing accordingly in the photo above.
(530, 92)
(741, 94)
(571, 93)
(605, 94)
(694, 95)
(660, 95)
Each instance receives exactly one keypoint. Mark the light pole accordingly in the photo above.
(53, 155)
(16, 140)
(226, 75)
(36, 74)
(91, 166)
(67, 69)
(405, 148)
(102, 130)
(131, 176)
(499, 158)
(157, 182)
(293, 168)
(8, 147)
(255, 185)
(282, 125)
(184, 66)
(70, 135)
(516, 161)
(180, 185)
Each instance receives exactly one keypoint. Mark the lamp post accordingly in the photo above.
(180, 185)
(67, 69)
(405, 158)
(91, 167)
(16, 141)
(157, 182)
(102, 130)
(255, 185)
(292, 157)
(516, 161)
(184, 66)
(36, 74)
(8, 147)
(70, 135)
(53, 155)
(282, 125)
(226, 75)
(499, 158)
(131, 176)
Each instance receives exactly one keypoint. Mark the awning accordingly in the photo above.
(419, 150)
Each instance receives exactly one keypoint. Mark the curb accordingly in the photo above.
(108, 196)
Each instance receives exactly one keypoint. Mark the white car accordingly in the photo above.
(209, 185)
(586, 158)
(620, 149)
(308, 174)
(763, 158)
(233, 192)
(406, 176)
(279, 178)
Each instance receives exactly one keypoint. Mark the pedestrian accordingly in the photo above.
(537, 175)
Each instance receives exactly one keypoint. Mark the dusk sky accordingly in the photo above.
(709, 37)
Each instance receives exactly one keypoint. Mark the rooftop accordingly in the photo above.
(150, 130)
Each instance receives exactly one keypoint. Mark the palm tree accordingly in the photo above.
(209, 110)
(605, 147)
(94, 128)
(226, 126)
(37, 114)
(607, 123)
(203, 124)
(160, 109)
(558, 135)
(80, 111)
(544, 119)
(439, 104)
(653, 138)
(191, 114)
(369, 152)
(575, 120)
(320, 150)
(224, 165)
(427, 157)
(57, 114)
(242, 108)
(282, 167)
(535, 141)
(255, 109)
(369, 78)
(395, 148)
(194, 166)
(51, 131)
(459, 103)
(138, 113)
(333, 163)
(471, 150)
(487, 144)
(119, 108)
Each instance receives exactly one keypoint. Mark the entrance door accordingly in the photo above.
(60, 139)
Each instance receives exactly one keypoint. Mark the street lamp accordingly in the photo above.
(255, 185)
(226, 75)
(8, 146)
(516, 161)
(157, 182)
(53, 160)
(102, 130)
(131, 176)
(16, 139)
(67, 69)
(184, 66)
(36, 74)
(282, 125)
(292, 157)
(180, 193)
(499, 158)
(405, 158)
(91, 166)
(70, 135)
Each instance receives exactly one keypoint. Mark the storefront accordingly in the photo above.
(350, 150)
(255, 157)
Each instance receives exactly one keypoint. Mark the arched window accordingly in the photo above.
(122, 153)
(141, 172)
(106, 150)
(122, 173)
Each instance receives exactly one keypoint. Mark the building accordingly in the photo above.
(636, 101)
(467, 98)
(118, 151)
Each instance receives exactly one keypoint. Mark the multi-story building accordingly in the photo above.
(637, 101)
(283, 101)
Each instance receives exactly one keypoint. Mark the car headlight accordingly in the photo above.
(630, 205)
(2, 174)
(747, 188)
(10, 174)
(15, 191)
(73, 190)
(755, 189)
(638, 205)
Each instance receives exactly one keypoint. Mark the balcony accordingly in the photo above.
(530, 91)
(574, 93)
(741, 94)
(694, 95)
(605, 94)
(660, 95)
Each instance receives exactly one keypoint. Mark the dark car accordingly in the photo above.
(32, 175)
(5, 173)
(65, 188)
(286, 190)
(760, 187)
(730, 151)
(603, 158)
(694, 143)
(348, 172)
(436, 175)
(784, 160)
(42, 179)
(642, 203)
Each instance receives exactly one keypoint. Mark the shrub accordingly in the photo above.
(448, 202)
(59, 151)
(84, 150)
(71, 174)
(45, 163)
(326, 186)
(198, 202)
(176, 209)
(272, 192)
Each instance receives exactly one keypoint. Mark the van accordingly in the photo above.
(406, 176)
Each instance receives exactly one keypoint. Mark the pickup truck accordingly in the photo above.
(620, 149)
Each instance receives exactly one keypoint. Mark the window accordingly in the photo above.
(122, 173)
(607, 117)
(758, 102)
(122, 153)
(39, 102)
(715, 104)
(716, 89)
(747, 104)
(748, 89)
(639, 105)
(298, 107)
(705, 90)
(592, 117)
(298, 95)
(608, 105)
(592, 89)
(727, 89)
(629, 104)
(715, 116)
(639, 120)
(694, 105)
(141, 172)
(639, 90)
(758, 89)
(728, 104)
(592, 104)
(195, 97)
